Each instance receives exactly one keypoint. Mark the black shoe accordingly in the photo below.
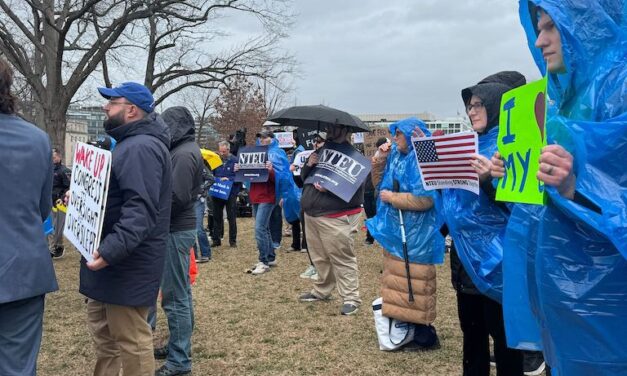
(165, 371)
(216, 244)
(161, 352)
(415, 347)
(533, 363)
(233, 244)
(57, 252)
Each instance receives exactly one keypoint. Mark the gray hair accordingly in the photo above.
(225, 144)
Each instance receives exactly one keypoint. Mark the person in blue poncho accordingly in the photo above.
(576, 244)
(400, 189)
(477, 224)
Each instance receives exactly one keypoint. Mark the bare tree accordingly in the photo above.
(200, 103)
(56, 45)
(239, 105)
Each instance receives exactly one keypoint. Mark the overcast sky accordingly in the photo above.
(402, 56)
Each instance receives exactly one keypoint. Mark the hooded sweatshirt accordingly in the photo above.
(187, 167)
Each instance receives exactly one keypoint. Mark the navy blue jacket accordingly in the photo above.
(137, 217)
(25, 201)
(225, 170)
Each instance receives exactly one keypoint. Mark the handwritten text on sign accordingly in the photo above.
(521, 139)
(286, 139)
(88, 194)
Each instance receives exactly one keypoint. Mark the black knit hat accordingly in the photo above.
(490, 90)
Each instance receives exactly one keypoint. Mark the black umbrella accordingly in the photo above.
(317, 117)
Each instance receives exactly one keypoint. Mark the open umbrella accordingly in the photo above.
(317, 117)
(212, 158)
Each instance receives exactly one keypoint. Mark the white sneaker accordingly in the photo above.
(311, 270)
(260, 268)
(314, 276)
(272, 263)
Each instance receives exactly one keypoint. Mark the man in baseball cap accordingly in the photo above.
(122, 280)
(135, 93)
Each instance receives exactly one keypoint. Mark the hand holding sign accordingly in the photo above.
(497, 170)
(482, 165)
(556, 170)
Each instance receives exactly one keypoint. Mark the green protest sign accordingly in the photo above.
(521, 139)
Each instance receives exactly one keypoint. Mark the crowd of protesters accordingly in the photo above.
(573, 248)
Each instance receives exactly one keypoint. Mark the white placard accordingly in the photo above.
(286, 139)
(88, 198)
(300, 160)
(358, 138)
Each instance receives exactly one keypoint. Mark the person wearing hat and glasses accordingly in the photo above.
(122, 281)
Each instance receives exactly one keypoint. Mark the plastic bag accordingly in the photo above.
(577, 255)
(477, 225)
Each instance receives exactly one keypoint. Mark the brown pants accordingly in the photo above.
(122, 339)
(331, 244)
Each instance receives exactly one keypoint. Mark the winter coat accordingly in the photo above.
(226, 170)
(60, 181)
(394, 291)
(25, 199)
(187, 167)
(137, 217)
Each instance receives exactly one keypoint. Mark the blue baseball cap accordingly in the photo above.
(137, 94)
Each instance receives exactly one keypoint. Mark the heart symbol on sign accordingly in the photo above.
(540, 110)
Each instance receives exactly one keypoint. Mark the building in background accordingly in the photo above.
(379, 124)
(76, 130)
(94, 116)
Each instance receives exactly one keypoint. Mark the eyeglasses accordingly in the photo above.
(477, 106)
(123, 103)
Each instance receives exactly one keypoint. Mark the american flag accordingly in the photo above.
(446, 158)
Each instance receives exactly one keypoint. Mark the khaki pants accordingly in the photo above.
(122, 339)
(331, 245)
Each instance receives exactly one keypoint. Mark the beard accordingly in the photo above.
(113, 122)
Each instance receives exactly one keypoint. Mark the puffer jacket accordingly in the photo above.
(394, 291)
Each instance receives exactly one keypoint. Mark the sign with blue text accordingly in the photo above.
(252, 164)
(521, 139)
(221, 189)
(340, 169)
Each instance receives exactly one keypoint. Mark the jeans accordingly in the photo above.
(20, 335)
(263, 216)
(177, 299)
(203, 242)
(276, 226)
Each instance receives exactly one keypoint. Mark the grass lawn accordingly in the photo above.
(254, 325)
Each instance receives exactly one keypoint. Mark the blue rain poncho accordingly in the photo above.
(576, 251)
(284, 186)
(425, 244)
(477, 226)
